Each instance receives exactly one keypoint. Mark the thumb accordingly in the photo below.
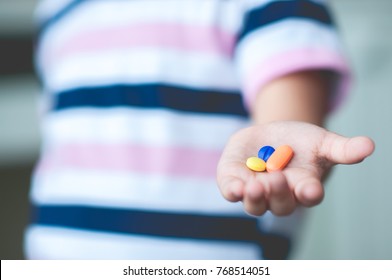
(342, 150)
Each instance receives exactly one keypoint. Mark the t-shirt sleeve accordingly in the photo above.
(281, 37)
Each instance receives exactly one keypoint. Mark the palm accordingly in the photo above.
(316, 150)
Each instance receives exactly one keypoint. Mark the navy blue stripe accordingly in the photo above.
(279, 10)
(150, 223)
(191, 226)
(153, 96)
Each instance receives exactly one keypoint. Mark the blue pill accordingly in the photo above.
(265, 152)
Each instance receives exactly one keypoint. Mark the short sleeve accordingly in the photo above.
(281, 37)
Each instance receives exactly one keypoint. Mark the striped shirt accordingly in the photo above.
(139, 99)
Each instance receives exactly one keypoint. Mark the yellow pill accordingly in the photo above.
(280, 158)
(255, 164)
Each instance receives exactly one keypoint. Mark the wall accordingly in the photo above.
(354, 221)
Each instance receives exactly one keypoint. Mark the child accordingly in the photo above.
(140, 99)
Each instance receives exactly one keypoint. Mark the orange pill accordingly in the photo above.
(280, 158)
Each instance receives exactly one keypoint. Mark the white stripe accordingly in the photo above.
(140, 126)
(282, 37)
(253, 4)
(286, 225)
(128, 190)
(94, 15)
(60, 243)
(133, 66)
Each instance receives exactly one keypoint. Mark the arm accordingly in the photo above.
(301, 96)
(289, 110)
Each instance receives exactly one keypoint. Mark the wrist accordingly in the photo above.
(301, 96)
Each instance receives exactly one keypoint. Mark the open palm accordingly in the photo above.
(316, 150)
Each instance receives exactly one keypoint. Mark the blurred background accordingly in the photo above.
(355, 219)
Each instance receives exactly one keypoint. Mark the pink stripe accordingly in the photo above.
(132, 158)
(299, 60)
(178, 36)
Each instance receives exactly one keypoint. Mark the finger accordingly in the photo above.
(281, 199)
(339, 149)
(254, 200)
(308, 190)
(232, 188)
(306, 186)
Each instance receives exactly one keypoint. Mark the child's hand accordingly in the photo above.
(316, 150)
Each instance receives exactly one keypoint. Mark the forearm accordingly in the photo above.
(301, 96)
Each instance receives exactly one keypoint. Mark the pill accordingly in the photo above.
(280, 158)
(255, 164)
(265, 152)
